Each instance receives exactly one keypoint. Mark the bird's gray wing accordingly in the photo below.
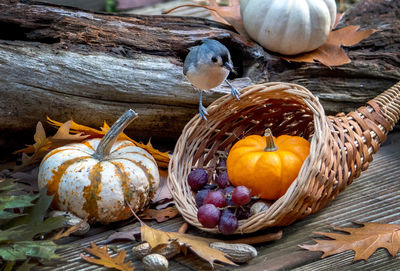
(191, 59)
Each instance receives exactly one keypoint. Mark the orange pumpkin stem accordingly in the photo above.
(108, 140)
(270, 144)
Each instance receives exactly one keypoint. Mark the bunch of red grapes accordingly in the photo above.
(219, 202)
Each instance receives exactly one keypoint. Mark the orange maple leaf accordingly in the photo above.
(364, 241)
(117, 262)
(331, 53)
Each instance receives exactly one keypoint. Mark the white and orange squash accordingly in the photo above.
(97, 178)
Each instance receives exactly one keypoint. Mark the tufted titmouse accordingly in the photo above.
(206, 67)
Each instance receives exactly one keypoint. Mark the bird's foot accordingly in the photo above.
(234, 91)
(203, 112)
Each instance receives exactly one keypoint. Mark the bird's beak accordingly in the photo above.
(229, 66)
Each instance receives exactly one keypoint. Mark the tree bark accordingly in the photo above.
(90, 67)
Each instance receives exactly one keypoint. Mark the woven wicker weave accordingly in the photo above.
(341, 146)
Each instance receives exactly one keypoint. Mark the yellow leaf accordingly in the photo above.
(39, 137)
(77, 128)
(45, 144)
(162, 158)
(331, 53)
(106, 260)
(199, 245)
(72, 132)
(63, 134)
(364, 241)
(40, 140)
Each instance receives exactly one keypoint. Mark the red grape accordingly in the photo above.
(208, 215)
(241, 195)
(221, 166)
(243, 212)
(200, 196)
(228, 190)
(197, 178)
(210, 186)
(223, 180)
(216, 198)
(228, 195)
(228, 223)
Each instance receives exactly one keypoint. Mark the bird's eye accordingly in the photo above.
(214, 59)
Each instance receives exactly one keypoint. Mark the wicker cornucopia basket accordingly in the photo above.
(341, 146)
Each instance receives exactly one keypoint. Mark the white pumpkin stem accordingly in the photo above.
(270, 144)
(106, 143)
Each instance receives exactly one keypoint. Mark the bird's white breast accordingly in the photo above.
(207, 77)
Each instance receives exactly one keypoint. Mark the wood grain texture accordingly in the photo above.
(374, 197)
(68, 63)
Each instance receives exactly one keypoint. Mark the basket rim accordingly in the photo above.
(298, 189)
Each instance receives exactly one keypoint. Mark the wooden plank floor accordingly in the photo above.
(374, 197)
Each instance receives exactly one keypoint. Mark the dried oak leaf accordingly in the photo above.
(163, 193)
(162, 158)
(44, 144)
(130, 235)
(229, 14)
(364, 241)
(67, 232)
(160, 215)
(117, 262)
(331, 53)
(199, 245)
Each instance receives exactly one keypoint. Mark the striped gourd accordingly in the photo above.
(96, 178)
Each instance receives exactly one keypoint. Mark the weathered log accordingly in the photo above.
(68, 63)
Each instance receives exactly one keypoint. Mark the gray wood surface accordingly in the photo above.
(374, 197)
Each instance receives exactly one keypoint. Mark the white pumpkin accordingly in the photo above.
(96, 178)
(288, 27)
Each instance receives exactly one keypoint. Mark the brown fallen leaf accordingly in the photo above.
(27, 181)
(198, 245)
(44, 144)
(162, 193)
(162, 158)
(159, 215)
(72, 132)
(364, 241)
(131, 235)
(117, 262)
(229, 14)
(67, 232)
(183, 228)
(331, 53)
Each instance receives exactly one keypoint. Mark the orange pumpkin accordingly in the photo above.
(265, 164)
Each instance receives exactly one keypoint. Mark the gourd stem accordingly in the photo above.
(106, 143)
(270, 144)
